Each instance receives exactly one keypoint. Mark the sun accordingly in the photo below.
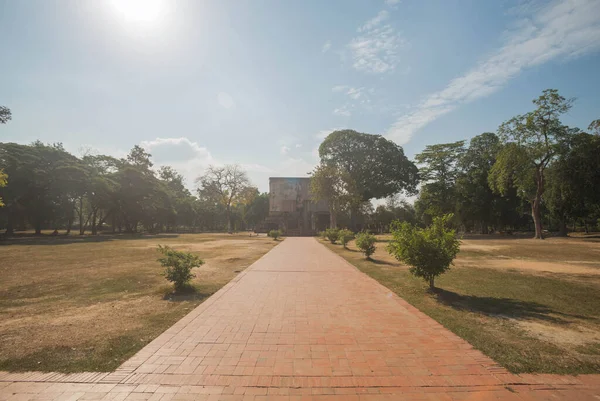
(145, 11)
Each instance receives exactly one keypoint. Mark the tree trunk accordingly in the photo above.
(484, 227)
(332, 220)
(562, 227)
(431, 283)
(10, 229)
(80, 213)
(38, 227)
(94, 226)
(537, 203)
(228, 210)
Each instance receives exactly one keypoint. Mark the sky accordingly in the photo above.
(260, 83)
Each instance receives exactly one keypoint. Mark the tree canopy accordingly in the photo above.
(377, 165)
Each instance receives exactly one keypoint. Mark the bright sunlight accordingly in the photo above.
(146, 11)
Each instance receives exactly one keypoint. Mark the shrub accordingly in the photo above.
(345, 236)
(178, 266)
(366, 243)
(332, 234)
(274, 234)
(321, 235)
(428, 251)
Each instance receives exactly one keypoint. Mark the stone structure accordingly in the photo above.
(291, 208)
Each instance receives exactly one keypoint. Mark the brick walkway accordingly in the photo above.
(302, 324)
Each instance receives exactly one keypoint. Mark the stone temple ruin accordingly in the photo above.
(292, 210)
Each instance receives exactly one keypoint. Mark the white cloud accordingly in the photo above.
(339, 88)
(392, 2)
(326, 46)
(355, 93)
(256, 168)
(165, 150)
(342, 111)
(562, 29)
(375, 50)
(298, 145)
(225, 100)
(284, 150)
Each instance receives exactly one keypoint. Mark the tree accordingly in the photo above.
(178, 266)
(227, 184)
(336, 186)
(531, 141)
(476, 202)
(366, 243)
(594, 127)
(5, 115)
(573, 181)
(257, 210)
(439, 172)
(377, 166)
(428, 251)
(3, 182)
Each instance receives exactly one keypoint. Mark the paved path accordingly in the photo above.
(302, 324)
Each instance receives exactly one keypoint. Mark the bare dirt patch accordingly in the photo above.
(88, 303)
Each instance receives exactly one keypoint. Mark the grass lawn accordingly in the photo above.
(532, 306)
(89, 303)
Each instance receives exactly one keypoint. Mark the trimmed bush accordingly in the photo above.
(274, 234)
(428, 251)
(332, 234)
(366, 243)
(345, 236)
(178, 266)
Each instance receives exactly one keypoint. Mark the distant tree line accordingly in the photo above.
(44, 187)
(534, 174)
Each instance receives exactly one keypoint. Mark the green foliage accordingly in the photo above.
(274, 234)
(366, 243)
(332, 234)
(531, 142)
(3, 181)
(428, 251)
(5, 115)
(377, 166)
(178, 266)
(440, 168)
(345, 236)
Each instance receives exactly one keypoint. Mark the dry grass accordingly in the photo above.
(533, 306)
(89, 303)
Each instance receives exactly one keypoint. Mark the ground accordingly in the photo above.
(302, 324)
(89, 303)
(533, 306)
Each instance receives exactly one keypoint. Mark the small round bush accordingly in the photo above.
(178, 266)
(332, 234)
(345, 236)
(366, 243)
(274, 234)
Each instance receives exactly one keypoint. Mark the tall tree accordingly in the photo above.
(378, 166)
(5, 115)
(573, 181)
(336, 186)
(438, 172)
(531, 141)
(475, 200)
(228, 184)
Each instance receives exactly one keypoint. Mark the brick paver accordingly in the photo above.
(303, 324)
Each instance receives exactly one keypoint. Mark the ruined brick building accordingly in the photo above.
(291, 208)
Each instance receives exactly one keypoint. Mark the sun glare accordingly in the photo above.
(145, 11)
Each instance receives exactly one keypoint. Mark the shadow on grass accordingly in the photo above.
(76, 239)
(504, 307)
(187, 293)
(380, 262)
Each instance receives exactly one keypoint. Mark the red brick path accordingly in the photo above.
(302, 324)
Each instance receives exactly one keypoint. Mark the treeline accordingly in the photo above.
(44, 187)
(534, 173)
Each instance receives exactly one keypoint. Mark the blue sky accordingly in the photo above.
(260, 83)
